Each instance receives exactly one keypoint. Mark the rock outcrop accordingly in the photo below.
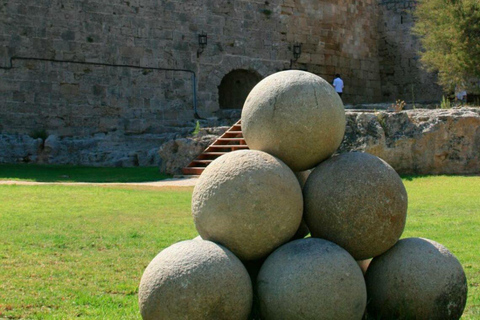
(420, 141)
(440, 141)
(118, 148)
(113, 149)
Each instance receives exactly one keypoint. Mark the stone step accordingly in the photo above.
(231, 140)
(202, 162)
(227, 146)
(195, 171)
(233, 133)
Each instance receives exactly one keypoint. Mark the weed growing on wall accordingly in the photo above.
(197, 129)
(398, 105)
(445, 103)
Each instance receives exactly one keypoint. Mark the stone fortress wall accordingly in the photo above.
(400, 69)
(102, 83)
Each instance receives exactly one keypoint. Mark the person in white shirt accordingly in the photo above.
(338, 84)
(461, 94)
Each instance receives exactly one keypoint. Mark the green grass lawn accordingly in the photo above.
(79, 252)
(64, 173)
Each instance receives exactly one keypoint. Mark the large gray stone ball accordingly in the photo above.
(195, 279)
(416, 279)
(357, 201)
(296, 116)
(248, 201)
(311, 279)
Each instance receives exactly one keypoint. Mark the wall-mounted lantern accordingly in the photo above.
(297, 50)
(202, 43)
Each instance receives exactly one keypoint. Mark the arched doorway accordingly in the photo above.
(235, 87)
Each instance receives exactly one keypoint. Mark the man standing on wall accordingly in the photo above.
(338, 84)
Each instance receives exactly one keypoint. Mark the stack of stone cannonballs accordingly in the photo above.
(253, 208)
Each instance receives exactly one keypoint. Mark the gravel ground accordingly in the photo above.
(175, 182)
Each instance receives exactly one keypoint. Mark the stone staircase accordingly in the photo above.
(231, 140)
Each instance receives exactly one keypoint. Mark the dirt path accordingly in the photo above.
(183, 182)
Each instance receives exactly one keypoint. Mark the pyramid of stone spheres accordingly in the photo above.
(253, 210)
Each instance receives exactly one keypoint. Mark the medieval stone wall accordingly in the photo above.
(402, 75)
(69, 99)
(111, 87)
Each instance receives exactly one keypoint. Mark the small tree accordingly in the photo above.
(449, 32)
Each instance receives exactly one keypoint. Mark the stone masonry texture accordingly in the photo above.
(114, 93)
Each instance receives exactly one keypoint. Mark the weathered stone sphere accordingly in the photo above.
(296, 116)
(416, 279)
(248, 201)
(357, 201)
(195, 279)
(311, 279)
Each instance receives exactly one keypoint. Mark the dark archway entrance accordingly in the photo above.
(235, 87)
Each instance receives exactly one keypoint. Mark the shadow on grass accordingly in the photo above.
(65, 173)
(411, 177)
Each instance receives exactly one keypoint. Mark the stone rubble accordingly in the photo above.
(417, 141)
(420, 141)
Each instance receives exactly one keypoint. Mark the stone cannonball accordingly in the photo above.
(357, 201)
(311, 279)
(195, 279)
(416, 279)
(296, 116)
(248, 201)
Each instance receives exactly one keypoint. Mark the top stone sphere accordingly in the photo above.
(295, 116)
